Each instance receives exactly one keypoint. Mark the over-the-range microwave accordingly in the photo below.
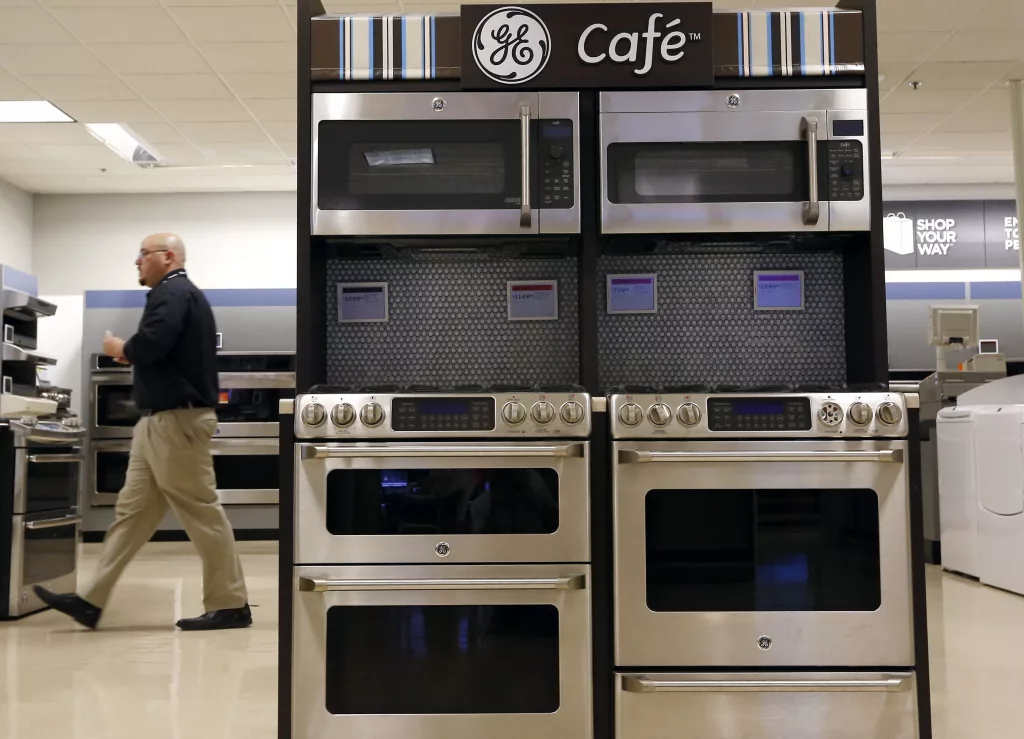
(458, 163)
(784, 161)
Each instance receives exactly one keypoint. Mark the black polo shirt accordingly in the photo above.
(174, 352)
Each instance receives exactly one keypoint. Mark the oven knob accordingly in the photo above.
(830, 414)
(543, 412)
(343, 414)
(689, 414)
(556, 152)
(659, 414)
(513, 412)
(314, 414)
(847, 169)
(889, 414)
(860, 414)
(631, 414)
(572, 412)
(372, 414)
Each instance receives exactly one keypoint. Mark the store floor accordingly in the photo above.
(139, 677)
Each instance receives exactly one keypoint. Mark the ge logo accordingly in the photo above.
(764, 643)
(442, 549)
(511, 45)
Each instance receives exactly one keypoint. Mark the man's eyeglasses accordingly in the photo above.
(143, 253)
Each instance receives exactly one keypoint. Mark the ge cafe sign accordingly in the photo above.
(589, 45)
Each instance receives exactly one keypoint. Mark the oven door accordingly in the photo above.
(442, 652)
(688, 163)
(248, 402)
(762, 554)
(46, 478)
(246, 469)
(114, 412)
(44, 551)
(767, 705)
(445, 163)
(442, 502)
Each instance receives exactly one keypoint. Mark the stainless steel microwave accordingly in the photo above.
(459, 163)
(784, 161)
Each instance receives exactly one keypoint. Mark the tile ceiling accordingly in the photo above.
(211, 85)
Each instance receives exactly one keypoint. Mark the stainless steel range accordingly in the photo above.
(42, 464)
(758, 531)
(443, 578)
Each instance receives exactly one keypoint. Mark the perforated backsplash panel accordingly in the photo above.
(707, 331)
(448, 325)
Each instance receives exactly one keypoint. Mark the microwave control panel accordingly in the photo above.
(556, 163)
(845, 165)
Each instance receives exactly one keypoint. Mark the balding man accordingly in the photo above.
(174, 356)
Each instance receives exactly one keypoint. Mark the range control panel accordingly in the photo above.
(556, 163)
(443, 414)
(845, 170)
(759, 414)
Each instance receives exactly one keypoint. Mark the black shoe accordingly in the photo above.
(81, 610)
(228, 618)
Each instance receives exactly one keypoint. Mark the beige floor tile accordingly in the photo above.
(139, 677)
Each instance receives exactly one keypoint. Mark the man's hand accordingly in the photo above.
(113, 346)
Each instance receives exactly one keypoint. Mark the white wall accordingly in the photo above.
(948, 192)
(90, 242)
(15, 227)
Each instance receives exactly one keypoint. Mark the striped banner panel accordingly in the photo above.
(389, 47)
(758, 43)
(812, 43)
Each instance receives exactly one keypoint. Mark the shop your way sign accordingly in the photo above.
(587, 45)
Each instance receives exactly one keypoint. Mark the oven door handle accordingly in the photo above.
(412, 450)
(629, 456)
(890, 683)
(55, 458)
(53, 523)
(812, 208)
(525, 215)
(569, 582)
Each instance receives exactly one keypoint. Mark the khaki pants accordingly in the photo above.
(170, 466)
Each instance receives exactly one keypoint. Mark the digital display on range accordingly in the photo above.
(442, 414)
(759, 414)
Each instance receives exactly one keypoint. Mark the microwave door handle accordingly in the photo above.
(812, 208)
(630, 456)
(412, 450)
(525, 215)
(321, 585)
(891, 683)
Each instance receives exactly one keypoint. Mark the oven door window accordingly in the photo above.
(369, 502)
(243, 405)
(51, 485)
(419, 165)
(714, 172)
(115, 407)
(246, 471)
(49, 552)
(763, 550)
(467, 659)
(110, 471)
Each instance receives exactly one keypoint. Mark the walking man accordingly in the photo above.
(174, 357)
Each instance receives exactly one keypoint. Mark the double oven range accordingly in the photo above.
(442, 551)
(41, 463)
(245, 447)
(762, 564)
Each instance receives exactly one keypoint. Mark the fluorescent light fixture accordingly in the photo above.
(125, 143)
(32, 111)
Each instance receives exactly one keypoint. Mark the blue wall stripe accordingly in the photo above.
(18, 280)
(995, 291)
(433, 47)
(831, 41)
(405, 45)
(803, 43)
(341, 48)
(739, 39)
(217, 298)
(770, 71)
(370, 23)
(925, 290)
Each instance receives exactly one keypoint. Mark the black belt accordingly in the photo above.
(184, 406)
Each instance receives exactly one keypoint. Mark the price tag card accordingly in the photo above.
(632, 294)
(779, 290)
(362, 302)
(533, 300)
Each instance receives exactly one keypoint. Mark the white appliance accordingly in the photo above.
(958, 493)
(999, 475)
